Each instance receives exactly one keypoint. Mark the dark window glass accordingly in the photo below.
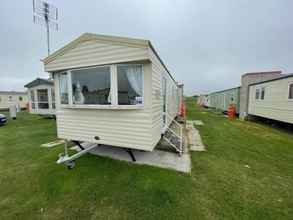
(291, 91)
(262, 96)
(130, 84)
(91, 86)
(20, 98)
(257, 94)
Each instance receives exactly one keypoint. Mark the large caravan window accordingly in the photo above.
(91, 86)
(130, 84)
(43, 102)
(290, 91)
(262, 96)
(257, 92)
(63, 87)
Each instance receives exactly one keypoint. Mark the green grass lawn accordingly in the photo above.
(246, 173)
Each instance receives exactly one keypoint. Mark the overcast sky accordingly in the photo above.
(206, 44)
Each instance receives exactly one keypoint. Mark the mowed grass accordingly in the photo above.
(246, 173)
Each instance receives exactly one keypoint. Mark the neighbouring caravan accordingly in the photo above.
(246, 80)
(41, 95)
(221, 100)
(272, 99)
(203, 100)
(8, 98)
(112, 91)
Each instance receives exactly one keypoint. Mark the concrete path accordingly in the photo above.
(198, 122)
(155, 158)
(194, 138)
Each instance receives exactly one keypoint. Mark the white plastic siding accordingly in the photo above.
(93, 52)
(158, 71)
(276, 104)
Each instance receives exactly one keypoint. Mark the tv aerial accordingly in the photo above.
(46, 15)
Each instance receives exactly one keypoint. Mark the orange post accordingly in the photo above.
(231, 111)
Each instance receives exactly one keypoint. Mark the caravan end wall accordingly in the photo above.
(271, 99)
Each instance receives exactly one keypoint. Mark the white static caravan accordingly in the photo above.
(203, 100)
(41, 96)
(8, 98)
(112, 91)
(272, 99)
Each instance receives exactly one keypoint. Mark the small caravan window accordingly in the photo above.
(20, 98)
(257, 92)
(290, 91)
(63, 87)
(10, 98)
(91, 86)
(262, 96)
(130, 84)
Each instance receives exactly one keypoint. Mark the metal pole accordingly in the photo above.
(48, 34)
(46, 14)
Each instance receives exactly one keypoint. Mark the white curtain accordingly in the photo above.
(109, 96)
(134, 76)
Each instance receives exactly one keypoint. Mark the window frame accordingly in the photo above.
(125, 64)
(113, 88)
(43, 102)
(68, 90)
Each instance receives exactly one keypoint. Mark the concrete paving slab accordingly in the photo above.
(157, 158)
(53, 143)
(194, 138)
(196, 122)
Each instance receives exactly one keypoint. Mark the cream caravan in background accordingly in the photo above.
(8, 98)
(272, 99)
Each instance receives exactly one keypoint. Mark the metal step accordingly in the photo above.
(174, 140)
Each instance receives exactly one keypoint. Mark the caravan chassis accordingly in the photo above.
(69, 161)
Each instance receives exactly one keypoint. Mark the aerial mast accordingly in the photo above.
(47, 15)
